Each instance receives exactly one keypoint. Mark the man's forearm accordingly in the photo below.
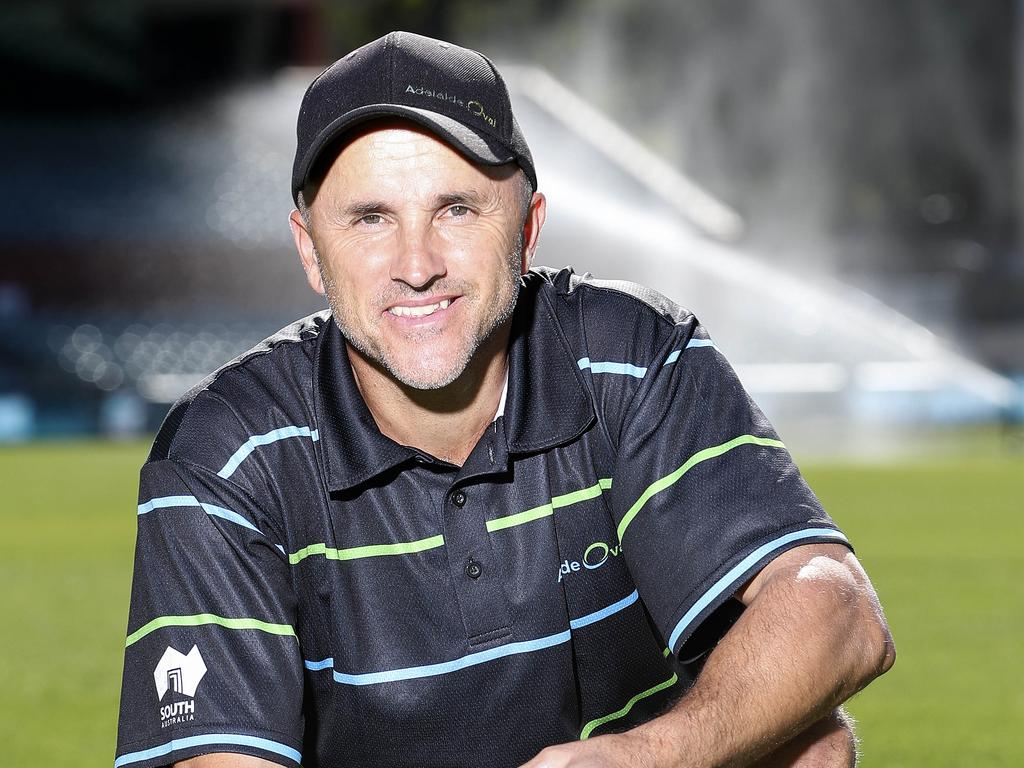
(811, 637)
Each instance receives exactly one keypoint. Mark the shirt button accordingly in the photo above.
(473, 569)
(459, 499)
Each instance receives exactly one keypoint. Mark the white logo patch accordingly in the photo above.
(178, 672)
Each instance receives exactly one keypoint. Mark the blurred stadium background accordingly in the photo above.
(833, 187)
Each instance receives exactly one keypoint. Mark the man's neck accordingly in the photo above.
(447, 422)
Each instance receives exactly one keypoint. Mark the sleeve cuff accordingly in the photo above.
(191, 746)
(726, 584)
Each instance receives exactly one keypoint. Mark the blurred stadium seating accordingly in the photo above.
(168, 254)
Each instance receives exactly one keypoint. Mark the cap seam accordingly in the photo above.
(390, 50)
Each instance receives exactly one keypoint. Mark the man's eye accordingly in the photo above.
(371, 218)
(459, 210)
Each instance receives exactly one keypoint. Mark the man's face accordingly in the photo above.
(420, 252)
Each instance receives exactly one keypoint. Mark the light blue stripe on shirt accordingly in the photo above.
(210, 739)
(253, 442)
(443, 668)
(165, 502)
(624, 369)
(605, 612)
(690, 345)
(168, 501)
(739, 571)
(470, 660)
(430, 670)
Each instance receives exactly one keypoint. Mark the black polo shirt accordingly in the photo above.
(308, 590)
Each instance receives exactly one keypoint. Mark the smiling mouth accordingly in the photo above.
(421, 311)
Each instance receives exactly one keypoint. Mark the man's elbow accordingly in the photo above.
(874, 653)
(859, 623)
(883, 649)
(874, 641)
(879, 648)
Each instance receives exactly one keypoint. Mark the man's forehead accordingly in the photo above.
(396, 135)
(395, 144)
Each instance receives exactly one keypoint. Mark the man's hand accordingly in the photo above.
(621, 750)
(829, 743)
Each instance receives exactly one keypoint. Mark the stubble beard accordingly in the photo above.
(443, 374)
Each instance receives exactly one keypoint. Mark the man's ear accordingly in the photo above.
(307, 252)
(535, 216)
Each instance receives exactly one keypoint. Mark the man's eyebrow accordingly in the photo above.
(466, 197)
(362, 208)
(359, 208)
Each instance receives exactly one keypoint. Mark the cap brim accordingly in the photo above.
(478, 147)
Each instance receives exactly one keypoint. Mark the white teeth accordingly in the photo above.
(423, 311)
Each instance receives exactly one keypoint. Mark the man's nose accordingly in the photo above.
(418, 260)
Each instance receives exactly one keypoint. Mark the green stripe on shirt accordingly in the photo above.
(409, 547)
(708, 453)
(589, 727)
(199, 619)
(370, 550)
(544, 510)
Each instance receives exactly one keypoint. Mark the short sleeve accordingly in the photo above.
(704, 493)
(212, 661)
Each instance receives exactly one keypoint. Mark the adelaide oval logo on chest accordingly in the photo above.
(594, 556)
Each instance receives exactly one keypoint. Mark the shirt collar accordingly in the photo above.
(353, 447)
(544, 403)
(548, 404)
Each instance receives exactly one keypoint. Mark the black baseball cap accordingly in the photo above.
(455, 93)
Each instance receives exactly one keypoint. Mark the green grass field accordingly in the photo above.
(941, 539)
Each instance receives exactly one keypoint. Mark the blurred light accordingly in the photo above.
(969, 256)
(166, 387)
(792, 377)
(122, 414)
(110, 377)
(85, 338)
(707, 213)
(935, 375)
(937, 209)
(68, 357)
(806, 320)
(126, 344)
(17, 417)
(87, 366)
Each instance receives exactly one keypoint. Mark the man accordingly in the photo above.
(476, 514)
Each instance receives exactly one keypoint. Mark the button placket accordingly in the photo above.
(482, 599)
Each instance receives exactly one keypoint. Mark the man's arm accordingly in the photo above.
(211, 592)
(813, 634)
(226, 760)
